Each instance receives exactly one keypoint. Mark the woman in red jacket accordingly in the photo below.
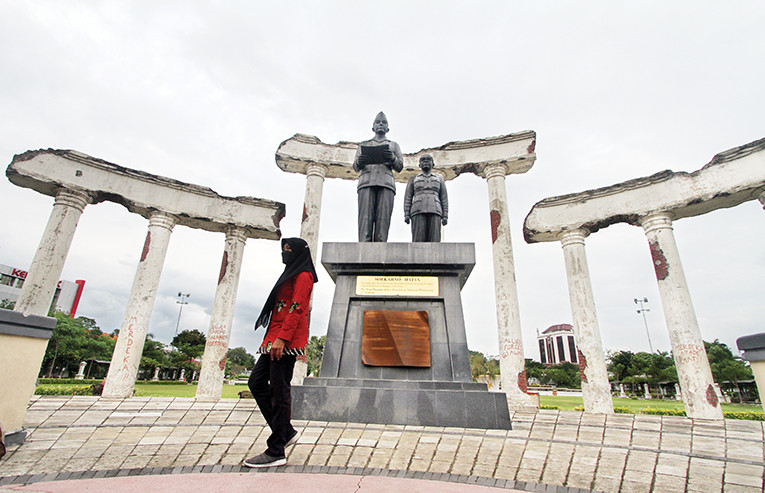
(286, 316)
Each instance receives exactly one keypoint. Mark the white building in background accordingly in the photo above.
(66, 299)
(557, 344)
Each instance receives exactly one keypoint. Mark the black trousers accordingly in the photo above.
(375, 210)
(270, 385)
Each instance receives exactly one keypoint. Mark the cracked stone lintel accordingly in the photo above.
(516, 151)
(49, 170)
(729, 179)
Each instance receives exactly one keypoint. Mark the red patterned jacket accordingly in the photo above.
(290, 317)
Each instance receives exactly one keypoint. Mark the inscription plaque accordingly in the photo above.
(397, 285)
(395, 338)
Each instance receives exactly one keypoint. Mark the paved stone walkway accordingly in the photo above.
(557, 451)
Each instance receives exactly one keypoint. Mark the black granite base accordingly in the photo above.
(433, 403)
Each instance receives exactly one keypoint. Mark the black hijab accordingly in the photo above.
(299, 261)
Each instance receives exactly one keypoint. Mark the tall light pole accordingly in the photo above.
(182, 301)
(642, 311)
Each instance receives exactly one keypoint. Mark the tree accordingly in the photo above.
(480, 366)
(238, 360)
(725, 366)
(620, 364)
(154, 354)
(190, 343)
(314, 352)
(75, 340)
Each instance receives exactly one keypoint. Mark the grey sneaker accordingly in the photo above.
(265, 460)
(293, 440)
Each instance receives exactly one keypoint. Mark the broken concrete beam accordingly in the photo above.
(516, 151)
(49, 171)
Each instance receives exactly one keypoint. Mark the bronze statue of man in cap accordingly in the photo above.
(426, 203)
(376, 159)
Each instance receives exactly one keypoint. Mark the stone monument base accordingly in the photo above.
(409, 378)
(454, 404)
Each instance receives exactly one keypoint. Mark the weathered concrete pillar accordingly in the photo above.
(693, 369)
(314, 187)
(81, 371)
(511, 361)
(596, 391)
(120, 381)
(44, 273)
(309, 231)
(155, 378)
(216, 349)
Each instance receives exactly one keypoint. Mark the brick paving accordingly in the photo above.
(547, 451)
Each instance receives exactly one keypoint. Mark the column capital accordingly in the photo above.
(162, 220)
(659, 220)
(73, 198)
(494, 170)
(236, 233)
(316, 169)
(573, 236)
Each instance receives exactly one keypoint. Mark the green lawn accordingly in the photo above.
(635, 405)
(159, 390)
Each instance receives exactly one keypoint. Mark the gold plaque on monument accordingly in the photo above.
(395, 338)
(397, 285)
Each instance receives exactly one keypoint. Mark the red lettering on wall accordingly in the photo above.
(19, 273)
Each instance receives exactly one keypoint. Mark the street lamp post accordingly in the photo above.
(642, 311)
(182, 301)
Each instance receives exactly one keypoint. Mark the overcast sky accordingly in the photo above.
(204, 92)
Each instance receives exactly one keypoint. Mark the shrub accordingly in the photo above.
(162, 382)
(751, 415)
(66, 381)
(663, 412)
(579, 408)
(63, 390)
(549, 406)
(622, 410)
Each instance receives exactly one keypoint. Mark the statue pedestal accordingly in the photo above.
(403, 277)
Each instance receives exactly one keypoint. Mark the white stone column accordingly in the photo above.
(155, 378)
(182, 378)
(511, 362)
(678, 393)
(309, 231)
(44, 273)
(596, 391)
(120, 381)
(622, 393)
(218, 335)
(81, 371)
(693, 369)
(314, 187)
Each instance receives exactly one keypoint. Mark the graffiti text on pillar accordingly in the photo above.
(125, 369)
(217, 336)
(511, 346)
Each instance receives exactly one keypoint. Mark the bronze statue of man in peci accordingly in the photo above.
(426, 204)
(376, 160)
